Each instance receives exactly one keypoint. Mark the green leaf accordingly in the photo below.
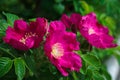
(83, 69)
(110, 22)
(106, 74)
(91, 60)
(59, 8)
(88, 75)
(117, 56)
(61, 78)
(5, 49)
(2, 34)
(5, 65)
(10, 18)
(74, 76)
(85, 8)
(3, 25)
(97, 76)
(76, 5)
(32, 19)
(30, 64)
(19, 68)
(58, 1)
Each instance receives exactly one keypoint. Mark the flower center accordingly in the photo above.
(57, 50)
(91, 31)
(27, 35)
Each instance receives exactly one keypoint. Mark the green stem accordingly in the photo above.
(31, 51)
(30, 71)
(74, 76)
(7, 52)
(67, 77)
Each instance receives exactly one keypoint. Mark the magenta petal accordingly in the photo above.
(56, 26)
(18, 45)
(75, 18)
(71, 61)
(11, 34)
(107, 40)
(95, 41)
(42, 26)
(72, 21)
(65, 61)
(30, 42)
(103, 41)
(66, 20)
(37, 41)
(62, 70)
(90, 18)
(39, 26)
(103, 29)
(77, 62)
(12, 38)
(32, 26)
(20, 25)
(70, 38)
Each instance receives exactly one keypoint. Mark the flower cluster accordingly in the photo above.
(96, 34)
(60, 46)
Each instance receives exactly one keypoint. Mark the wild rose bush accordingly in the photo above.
(41, 50)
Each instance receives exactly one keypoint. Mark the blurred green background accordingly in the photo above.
(107, 11)
(52, 9)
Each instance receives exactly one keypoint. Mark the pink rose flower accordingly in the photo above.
(71, 22)
(96, 34)
(60, 48)
(23, 36)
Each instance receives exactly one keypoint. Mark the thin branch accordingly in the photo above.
(7, 52)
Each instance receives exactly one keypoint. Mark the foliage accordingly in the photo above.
(32, 64)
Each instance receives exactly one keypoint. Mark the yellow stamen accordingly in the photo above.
(57, 51)
(27, 35)
(91, 31)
